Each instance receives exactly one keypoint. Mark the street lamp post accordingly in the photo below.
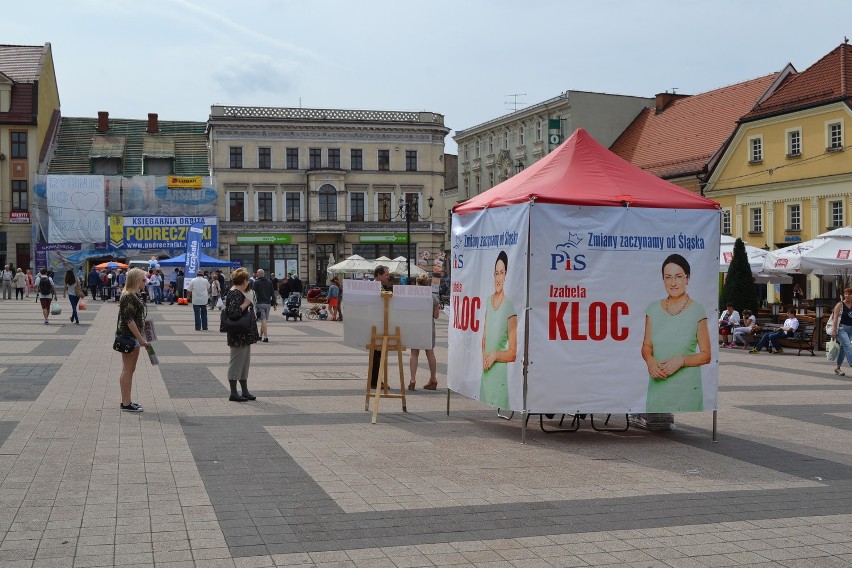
(405, 209)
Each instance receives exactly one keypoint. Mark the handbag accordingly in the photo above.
(832, 348)
(124, 344)
(55, 309)
(220, 304)
(829, 325)
(242, 325)
(82, 305)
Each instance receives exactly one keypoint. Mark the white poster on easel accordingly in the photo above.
(364, 309)
(411, 311)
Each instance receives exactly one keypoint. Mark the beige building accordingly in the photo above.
(29, 118)
(300, 187)
(494, 151)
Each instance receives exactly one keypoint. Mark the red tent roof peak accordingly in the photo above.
(582, 172)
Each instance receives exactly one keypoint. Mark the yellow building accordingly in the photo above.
(785, 177)
(29, 118)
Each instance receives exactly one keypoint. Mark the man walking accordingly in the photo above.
(199, 295)
(94, 282)
(6, 283)
(265, 293)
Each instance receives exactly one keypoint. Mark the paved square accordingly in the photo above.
(301, 478)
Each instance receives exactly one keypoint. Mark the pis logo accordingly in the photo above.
(562, 259)
(458, 257)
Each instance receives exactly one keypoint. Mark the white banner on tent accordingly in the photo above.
(488, 296)
(602, 279)
(75, 209)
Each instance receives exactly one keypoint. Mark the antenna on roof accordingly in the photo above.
(515, 103)
(674, 90)
(845, 40)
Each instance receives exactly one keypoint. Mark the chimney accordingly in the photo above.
(662, 100)
(103, 121)
(153, 124)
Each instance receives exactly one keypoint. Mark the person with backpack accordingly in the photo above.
(46, 293)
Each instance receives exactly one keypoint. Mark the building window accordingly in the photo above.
(19, 195)
(264, 206)
(794, 142)
(466, 186)
(236, 206)
(491, 145)
(236, 157)
(538, 130)
(264, 158)
(292, 158)
(19, 145)
(293, 206)
(478, 184)
(314, 158)
(756, 220)
(356, 206)
(794, 217)
(755, 149)
(384, 204)
(521, 137)
(490, 179)
(505, 140)
(836, 212)
(726, 222)
(478, 149)
(158, 166)
(384, 160)
(411, 160)
(356, 158)
(334, 158)
(327, 203)
(834, 133)
(466, 152)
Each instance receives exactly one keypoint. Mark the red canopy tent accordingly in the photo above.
(555, 273)
(582, 172)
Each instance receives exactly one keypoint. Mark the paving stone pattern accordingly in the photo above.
(301, 477)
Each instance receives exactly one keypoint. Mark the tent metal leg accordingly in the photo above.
(714, 440)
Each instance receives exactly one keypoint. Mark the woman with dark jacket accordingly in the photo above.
(237, 301)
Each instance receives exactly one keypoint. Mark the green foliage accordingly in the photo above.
(739, 288)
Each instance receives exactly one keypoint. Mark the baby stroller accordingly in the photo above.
(291, 307)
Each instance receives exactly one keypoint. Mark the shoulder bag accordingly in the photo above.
(241, 325)
(123, 343)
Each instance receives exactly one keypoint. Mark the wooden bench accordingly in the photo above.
(803, 339)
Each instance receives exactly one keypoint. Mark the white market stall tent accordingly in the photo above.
(585, 285)
(755, 255)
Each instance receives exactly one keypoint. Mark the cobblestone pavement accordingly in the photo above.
(301, 478)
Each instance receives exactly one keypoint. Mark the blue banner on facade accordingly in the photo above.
(193, 250)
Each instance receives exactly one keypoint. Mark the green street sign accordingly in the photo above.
(264, 239)
(392, 238)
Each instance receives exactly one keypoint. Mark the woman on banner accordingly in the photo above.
(676, 344)
(499, 341)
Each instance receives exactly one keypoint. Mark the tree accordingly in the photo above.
(739, 288)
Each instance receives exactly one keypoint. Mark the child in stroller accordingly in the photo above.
(291, 307)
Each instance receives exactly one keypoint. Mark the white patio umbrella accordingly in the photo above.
(353, 264)
(399, 267)
(832, 256)
(755, 255)
(788, 260)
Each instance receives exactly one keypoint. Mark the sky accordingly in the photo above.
(464, 59)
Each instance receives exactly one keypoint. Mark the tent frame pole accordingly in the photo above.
(526, 354)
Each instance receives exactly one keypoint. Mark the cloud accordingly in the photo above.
(252, 75)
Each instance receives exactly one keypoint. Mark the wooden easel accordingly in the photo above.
(384, 343)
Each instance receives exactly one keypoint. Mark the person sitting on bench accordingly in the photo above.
(791, 324)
